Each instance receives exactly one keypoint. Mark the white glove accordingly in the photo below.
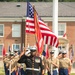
(28, 53)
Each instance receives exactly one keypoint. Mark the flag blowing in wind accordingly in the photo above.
(38, 35)
(48, 36)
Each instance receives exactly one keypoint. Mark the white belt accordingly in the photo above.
(55, 69)
(33, 69)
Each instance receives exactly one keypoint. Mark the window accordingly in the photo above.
(16, 47)
(61, 29)
(1, 49)
(16, 30)
(1, 30)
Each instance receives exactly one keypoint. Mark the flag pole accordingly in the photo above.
(55, 27)
(55, 22)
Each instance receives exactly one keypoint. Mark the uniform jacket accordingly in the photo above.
(32, 62)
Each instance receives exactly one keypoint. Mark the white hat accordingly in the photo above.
(7, 54)
(16, 50)
(60, 51)
(64, 51)
(52, 51)
(33, 48)
(12, 54)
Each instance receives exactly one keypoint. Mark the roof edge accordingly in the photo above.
(19, 19)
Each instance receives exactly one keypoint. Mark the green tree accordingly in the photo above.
(36, 0)
(66, 0)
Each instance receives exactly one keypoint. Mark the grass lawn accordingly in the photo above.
(2, 72)
(72, 73)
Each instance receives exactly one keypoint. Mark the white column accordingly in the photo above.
(55, 22)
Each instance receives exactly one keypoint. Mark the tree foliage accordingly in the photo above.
(66, 0)
(36, 0)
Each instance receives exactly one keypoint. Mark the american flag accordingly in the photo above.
(49, 37)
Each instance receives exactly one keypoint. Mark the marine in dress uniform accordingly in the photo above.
(53, 64)
(23, 68)
(12, 64)
(17, 65)
(44, 64)
(33, 62)
(64, 64)
(59, 55)
(6, 63)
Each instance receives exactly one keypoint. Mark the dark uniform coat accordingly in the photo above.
(33, 63)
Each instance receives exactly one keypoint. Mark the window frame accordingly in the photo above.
(20, 30)
(64, 29)
(16, 44)
(3, 30)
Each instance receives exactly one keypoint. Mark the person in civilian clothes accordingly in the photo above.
(52, 64)
(33, 62)
(64, 64)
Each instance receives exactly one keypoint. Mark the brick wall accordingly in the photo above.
(8, 39)
(30, 38)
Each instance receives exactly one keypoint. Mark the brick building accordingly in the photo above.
(12, 23)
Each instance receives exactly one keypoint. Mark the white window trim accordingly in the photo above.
(65, 29)
(15, 44)
(20, 28)
(3, 30)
